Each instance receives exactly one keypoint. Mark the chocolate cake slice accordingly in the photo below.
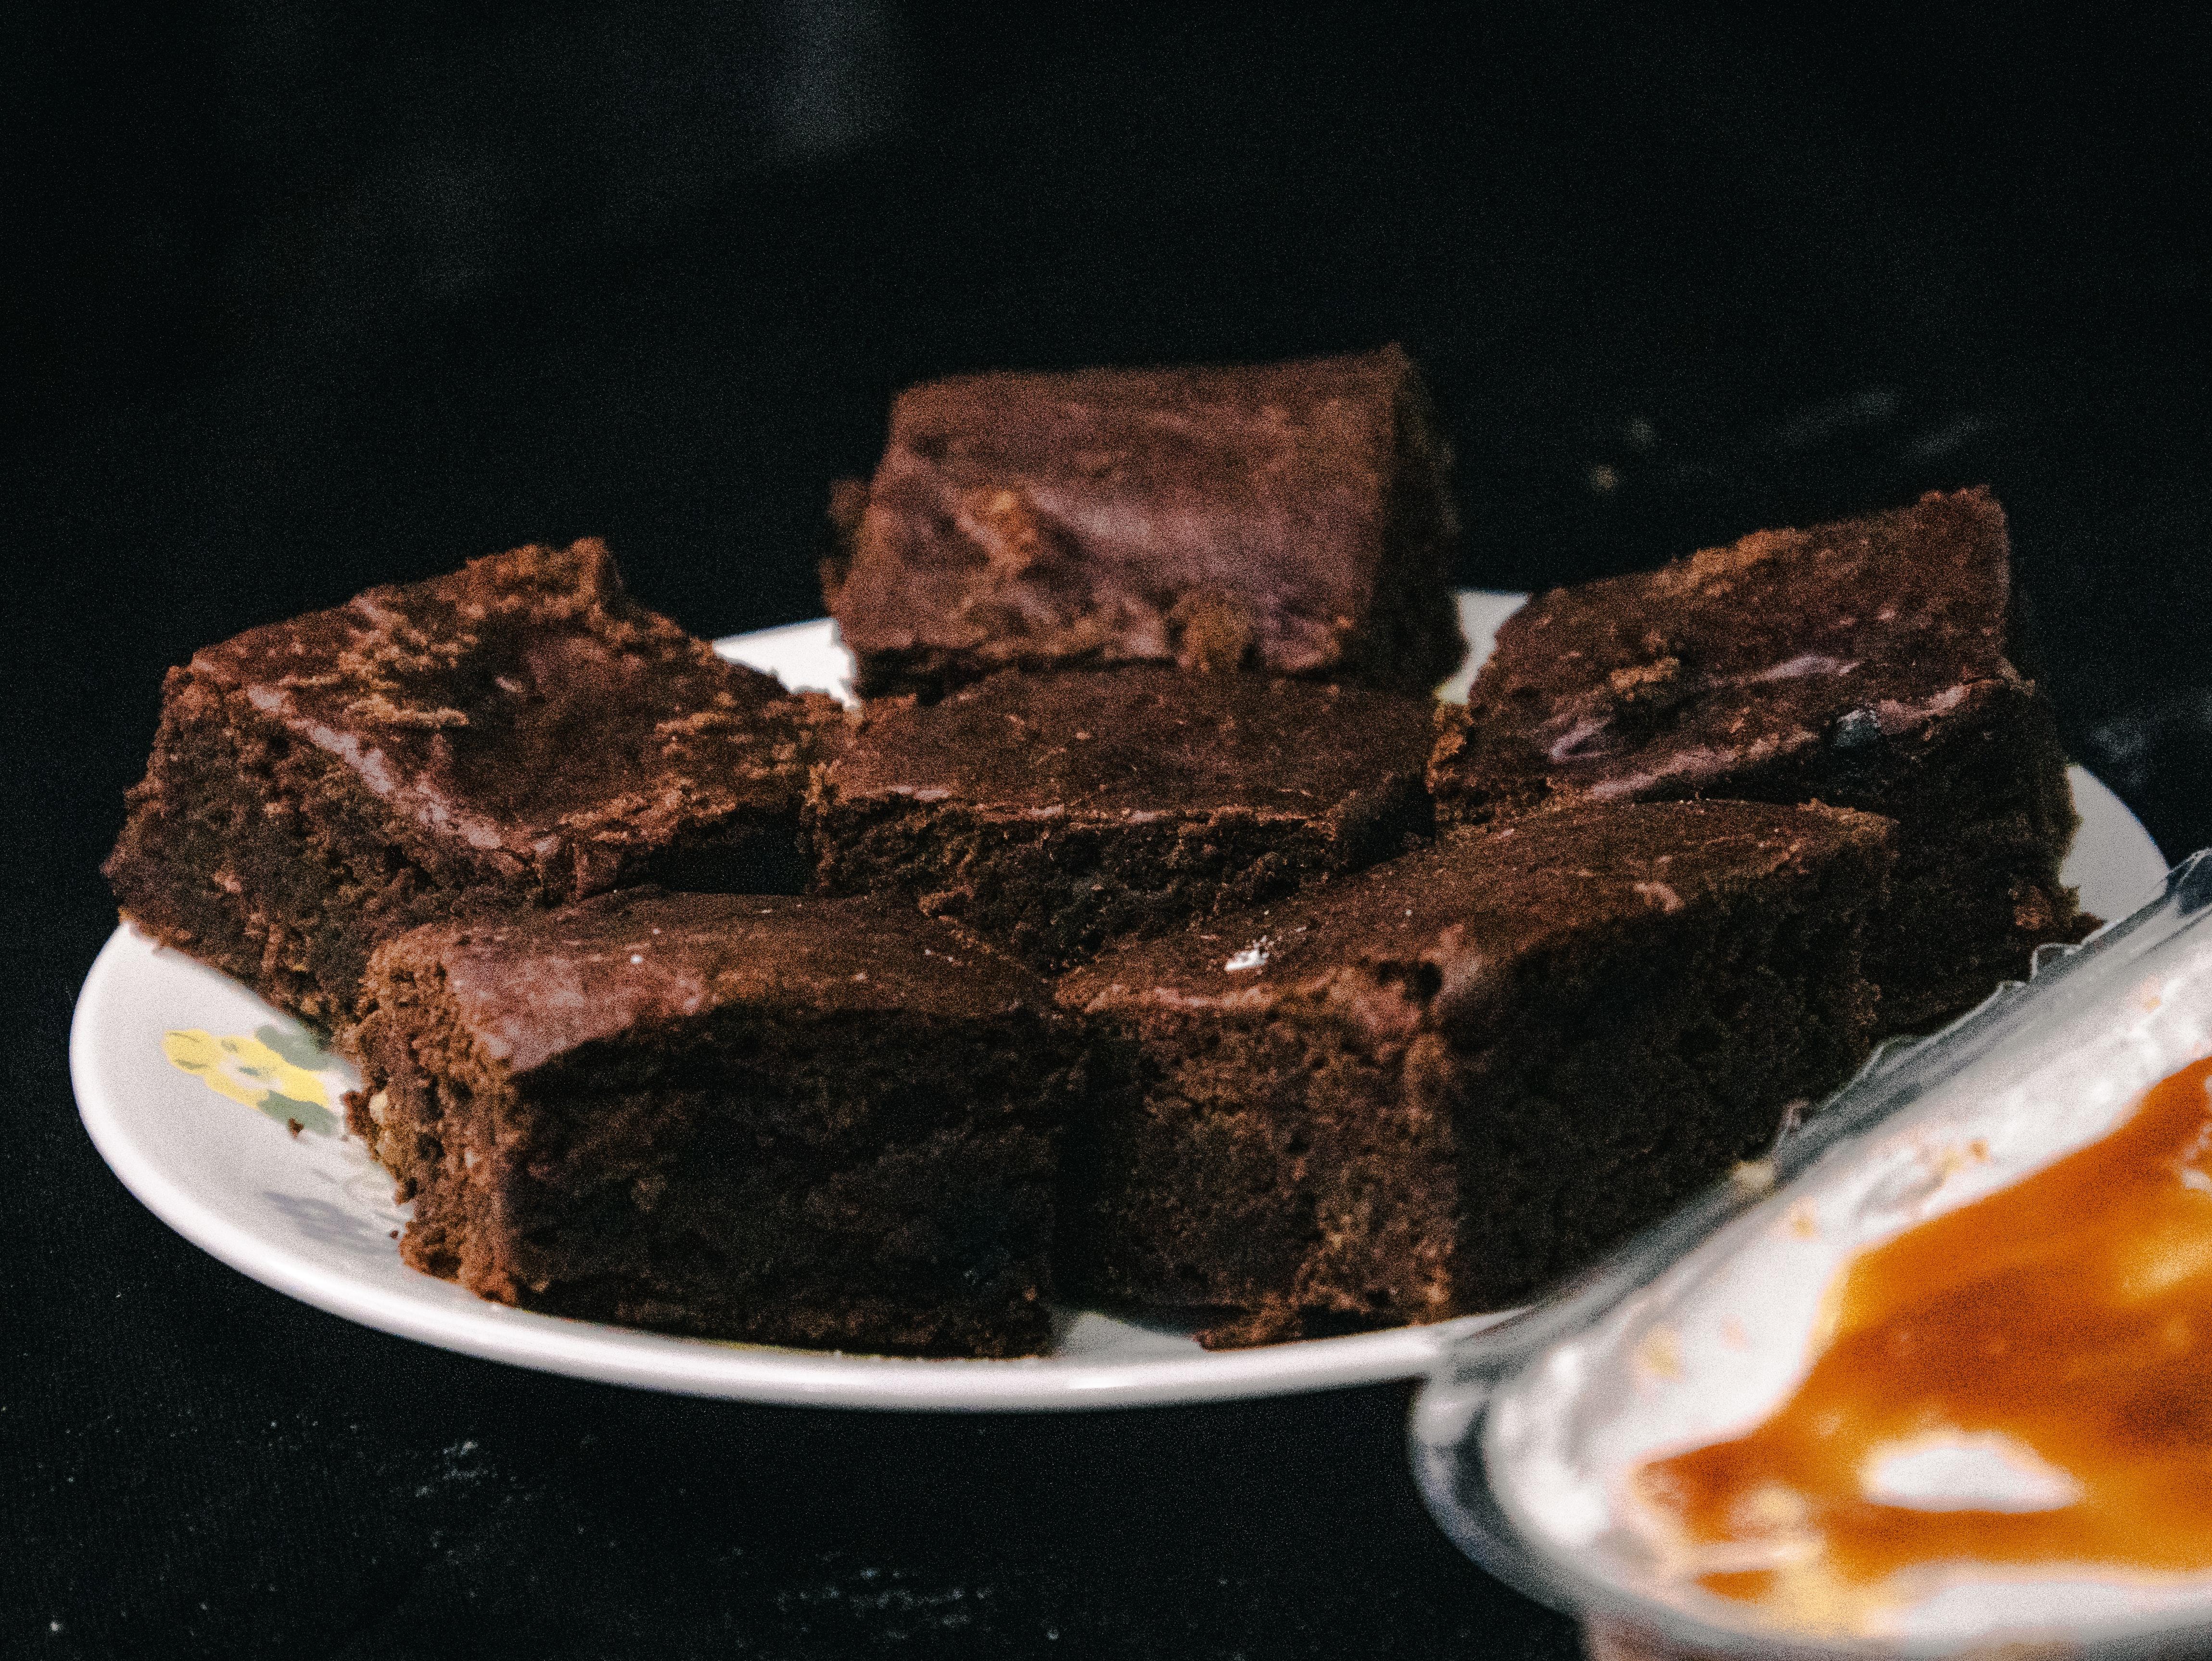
(1290, 518)
(820, 1122)
(1869, 664)
(518, 733)
(1432, 1088)
(1053, 812)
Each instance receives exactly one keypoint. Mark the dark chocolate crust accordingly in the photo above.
(1051, 813)
(1432, 1088)
(824, 1123)
(517, 733)
(1288, 518)
(1867, 664)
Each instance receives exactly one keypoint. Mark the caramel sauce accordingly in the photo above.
(2068, 1314)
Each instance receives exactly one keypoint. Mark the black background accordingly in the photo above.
(305, 296)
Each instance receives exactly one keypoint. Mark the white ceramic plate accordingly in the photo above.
(189, 1086)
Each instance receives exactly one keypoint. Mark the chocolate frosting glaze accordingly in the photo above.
(1137, 743)
(1213, 517)
(1432, 937)
(538, 985)
(528, 712)
(1757, 656)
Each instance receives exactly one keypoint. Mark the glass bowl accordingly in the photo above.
(1531, 1441)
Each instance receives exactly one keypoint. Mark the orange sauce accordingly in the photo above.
(2069, 1313)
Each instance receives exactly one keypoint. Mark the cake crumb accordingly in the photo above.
(1753, 1176)
(1949, 1160)
(1660, 1353)
(293, 1126)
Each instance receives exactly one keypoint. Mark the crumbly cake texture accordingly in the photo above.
(1288, 518)
(517, 733)
(819, 1122)
(1051, 813)
(1869, 664)
(1431, 1089)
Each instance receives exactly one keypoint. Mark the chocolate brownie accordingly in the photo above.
(1053, 812)
(520, 732)
(825, 1122)
(1434, 1088)
(1291, 517)
(1870, 664)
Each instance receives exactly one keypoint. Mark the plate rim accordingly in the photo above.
(760, 1373)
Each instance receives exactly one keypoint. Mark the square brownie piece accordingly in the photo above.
(1434, 1088)
(1054, 813)
(822, 1122)
(517, 733)
(1869, 664)
(1294, 519)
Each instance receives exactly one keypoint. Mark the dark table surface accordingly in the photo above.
(305, 301)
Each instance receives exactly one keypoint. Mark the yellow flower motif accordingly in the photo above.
(252, 1074)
